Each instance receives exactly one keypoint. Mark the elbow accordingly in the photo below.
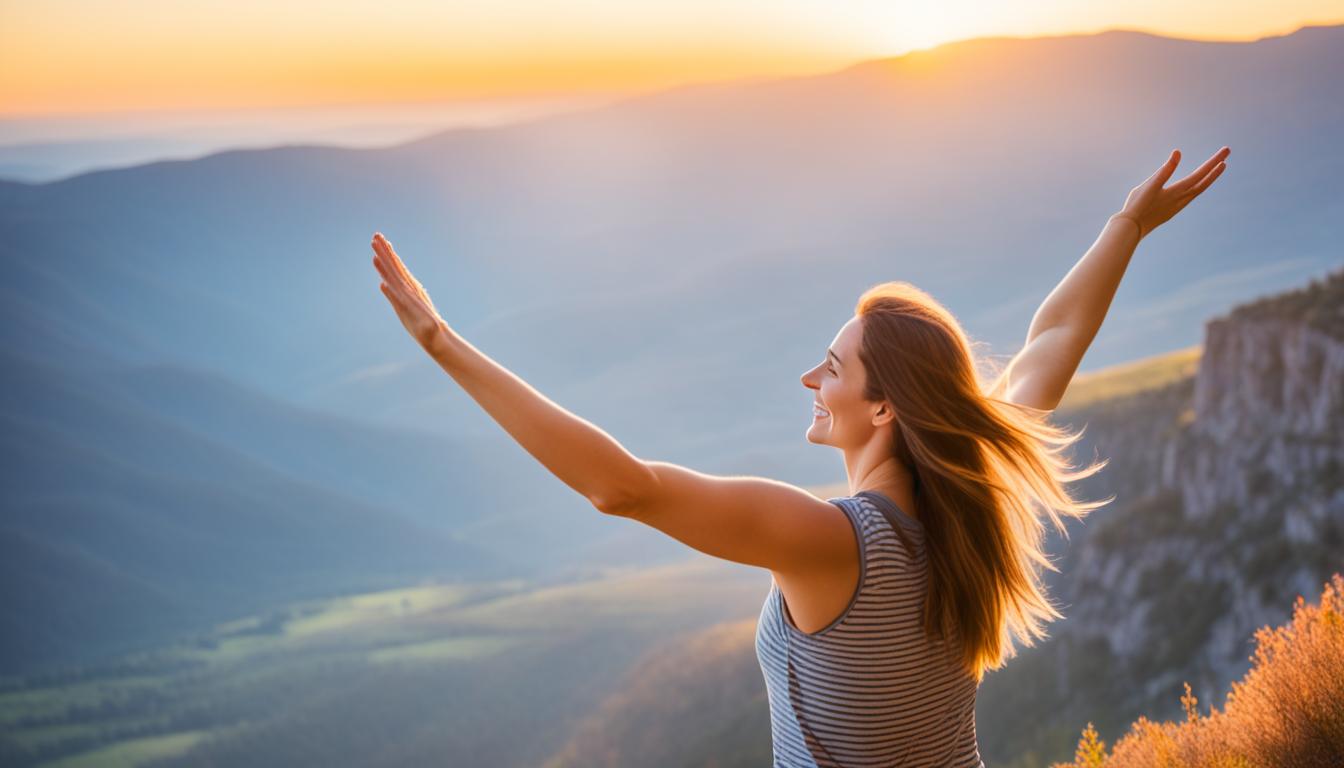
(634, 490)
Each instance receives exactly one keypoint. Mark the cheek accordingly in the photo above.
(834, 398)
(834, 391)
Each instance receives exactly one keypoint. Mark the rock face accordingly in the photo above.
(1262, 377)
(1247, 505)
(1229, 503)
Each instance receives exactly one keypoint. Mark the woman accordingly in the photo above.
(887, 606)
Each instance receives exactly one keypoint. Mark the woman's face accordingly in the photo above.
(841, 417)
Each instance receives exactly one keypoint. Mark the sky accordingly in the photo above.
(80, 57)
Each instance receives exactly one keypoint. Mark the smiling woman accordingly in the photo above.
(889, 605)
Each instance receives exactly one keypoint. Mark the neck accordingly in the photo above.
(872, 467)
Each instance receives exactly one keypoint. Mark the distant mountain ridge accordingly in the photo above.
(123, 528)
(666, 267)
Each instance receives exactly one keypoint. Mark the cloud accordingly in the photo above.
(379, 371)
(1222, 289)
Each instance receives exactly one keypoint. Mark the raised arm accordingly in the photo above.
(1070, 317)
(584, 457)
(749, 520)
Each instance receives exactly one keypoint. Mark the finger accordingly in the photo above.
(403, 304)
(395, 260)
(383, 262)
(411, 282)
(1163, 173)
(1200, 172)
(405, 298)
(1207, 180)
(382, 270)
(393, 278)
(385, 256)
(387, 267)
(397, 288)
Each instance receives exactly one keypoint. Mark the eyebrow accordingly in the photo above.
(831, 352)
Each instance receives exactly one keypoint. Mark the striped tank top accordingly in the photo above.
(869, 689)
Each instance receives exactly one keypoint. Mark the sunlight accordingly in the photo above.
(148, 54)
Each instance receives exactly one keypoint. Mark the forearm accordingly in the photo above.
(1081, 300)
(579, 453)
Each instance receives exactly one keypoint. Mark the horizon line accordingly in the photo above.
(617, 94)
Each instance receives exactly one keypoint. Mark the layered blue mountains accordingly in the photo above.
(210, 409)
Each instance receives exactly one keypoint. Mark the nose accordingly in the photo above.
(808, 378)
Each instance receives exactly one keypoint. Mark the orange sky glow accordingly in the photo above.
(82, 56)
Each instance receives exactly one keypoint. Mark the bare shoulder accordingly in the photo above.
(745, 519)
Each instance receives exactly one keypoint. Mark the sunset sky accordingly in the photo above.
(82, 56)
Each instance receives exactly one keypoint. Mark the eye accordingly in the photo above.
(832, 370)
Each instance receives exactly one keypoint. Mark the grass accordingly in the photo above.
(260, 680)
(369, 610)
(133, 752)
(454, 649)
(1130, 378)
(48, 701)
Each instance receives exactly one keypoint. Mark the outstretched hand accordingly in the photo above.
(408, 297)
(1150, 204)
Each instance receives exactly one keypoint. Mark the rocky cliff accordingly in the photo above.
(1229, 503)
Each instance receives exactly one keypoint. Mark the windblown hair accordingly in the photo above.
(983, 467)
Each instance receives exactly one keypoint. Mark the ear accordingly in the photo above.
(884, 414)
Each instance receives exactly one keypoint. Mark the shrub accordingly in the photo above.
(1288, 710)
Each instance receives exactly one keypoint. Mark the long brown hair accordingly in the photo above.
(982, 468)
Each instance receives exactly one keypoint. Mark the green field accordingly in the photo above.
(408, 673)
(1130, 378)
(128, 754)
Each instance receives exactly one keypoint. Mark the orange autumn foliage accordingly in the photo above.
(1288, 710)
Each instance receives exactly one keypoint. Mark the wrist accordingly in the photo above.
(442, 345)
(1138, 228)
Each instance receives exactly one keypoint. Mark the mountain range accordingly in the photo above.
(209, 407)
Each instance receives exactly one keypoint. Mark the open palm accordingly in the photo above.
(407, 295)
(1150, 204)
